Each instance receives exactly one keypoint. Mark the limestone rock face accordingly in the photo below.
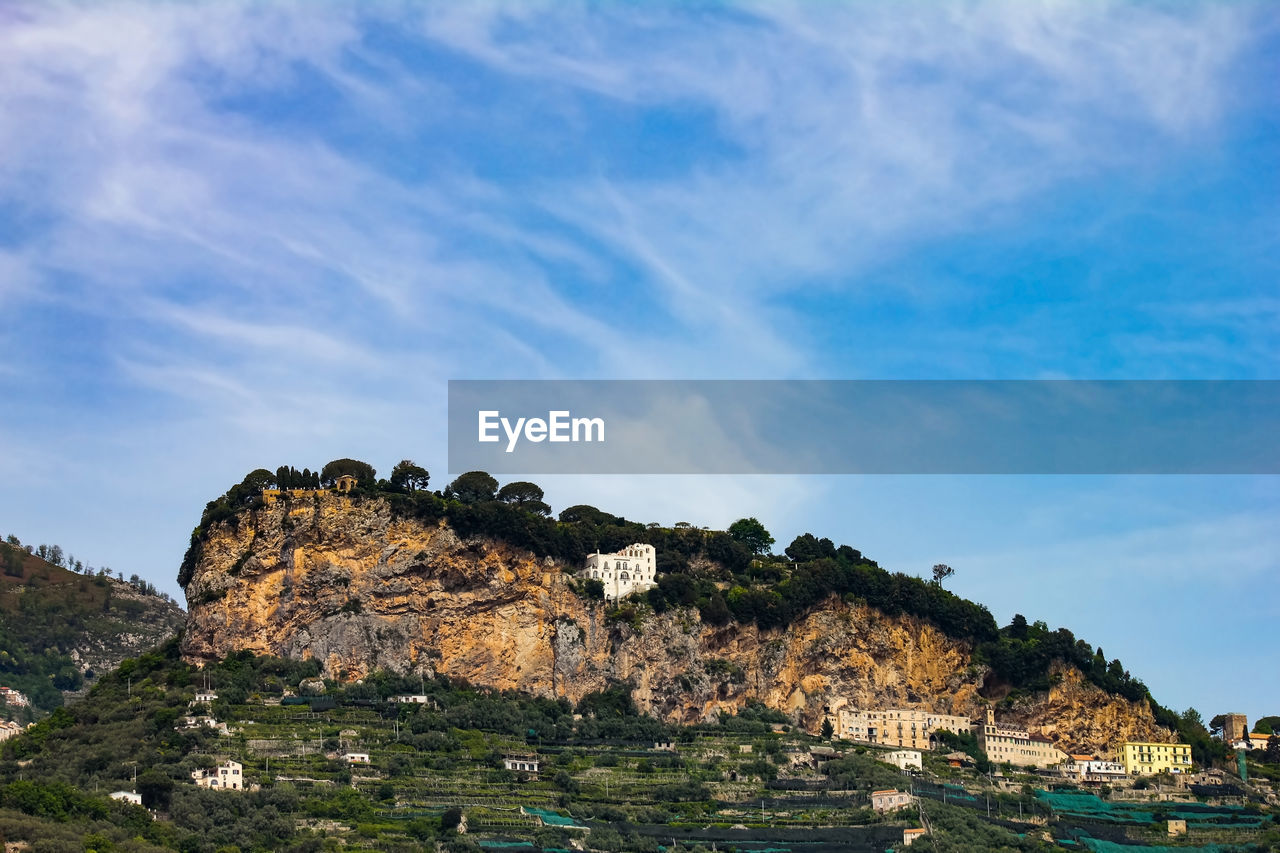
(1080, 717)
(342, 581)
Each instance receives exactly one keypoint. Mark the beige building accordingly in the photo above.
(909, 836)
(225, 777)
(890, 800)
(903, 727)
(1005, 743)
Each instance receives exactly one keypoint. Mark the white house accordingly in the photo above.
(356, 758)
(202, 721)
(13, 697)
(630, 570)
(903, 759)
(205, 697)
(527, 764)
(127, 797)
(227, 777)
(417, 699)
(10, 729)
(1086, 768)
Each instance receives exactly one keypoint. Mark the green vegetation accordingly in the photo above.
(751, 534)
(1267, 725)
(48, 611)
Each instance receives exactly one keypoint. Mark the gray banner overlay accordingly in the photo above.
(531, 427)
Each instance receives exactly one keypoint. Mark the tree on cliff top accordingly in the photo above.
(752, 535)
(473, 487)
(1267, 725)
(527, 496)
(587, 514)
(409, 475)
(806, 548)
(362, 471)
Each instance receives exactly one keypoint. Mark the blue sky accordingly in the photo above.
(235, 236)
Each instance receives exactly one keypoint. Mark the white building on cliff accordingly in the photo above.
(630, 570)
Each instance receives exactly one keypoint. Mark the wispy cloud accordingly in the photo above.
(283, 226)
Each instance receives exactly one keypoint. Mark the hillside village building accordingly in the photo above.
(1234, 727)
(202, 722)
(1090, 770)
(10, 729)
(1004, 743)
(1147, 759)
(127, 797)
(903, 759)
(903, 727)
(13, 698)
(891, 800)
(1252, 740)
(226, 777)
(525, 764)
(630, 570)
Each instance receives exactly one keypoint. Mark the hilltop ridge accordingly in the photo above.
(60, 629)
(485, 590)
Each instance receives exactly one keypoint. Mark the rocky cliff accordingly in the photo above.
(346, 583)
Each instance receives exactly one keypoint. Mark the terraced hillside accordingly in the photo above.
(334, 767)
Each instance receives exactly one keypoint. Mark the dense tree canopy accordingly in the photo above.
(473, 487)
(410, 476)
(525, 495)
(807, 547)
(362, 471)
(751, 534)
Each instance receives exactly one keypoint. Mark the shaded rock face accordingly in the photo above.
(136, 624)
(343, 582)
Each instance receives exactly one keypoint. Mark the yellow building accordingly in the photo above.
(1146, 759)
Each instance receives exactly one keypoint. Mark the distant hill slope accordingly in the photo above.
(58, 627)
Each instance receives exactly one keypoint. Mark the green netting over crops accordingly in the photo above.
(550, 818)
(1098, 845)
(1085, 805)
